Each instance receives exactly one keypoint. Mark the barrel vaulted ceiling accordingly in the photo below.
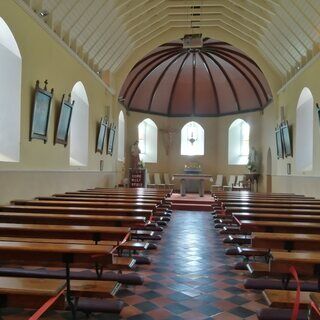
(104, 33)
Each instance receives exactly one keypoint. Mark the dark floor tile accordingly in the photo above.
(176, 308)
(241, 312)
(146, 306)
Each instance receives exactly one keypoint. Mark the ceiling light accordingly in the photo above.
(43, 13)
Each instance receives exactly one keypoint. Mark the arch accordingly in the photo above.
(238, 142)
(148, 140)
(121, 136)
(192, 139)
(269, 171)
(79, 128)
(304, 131)
(10, 95)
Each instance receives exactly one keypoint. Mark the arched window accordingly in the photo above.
(304, 132)
(148, 140)
(121, 134)
(79, 128)
(192, 139)
(10, 95)
(238, 147)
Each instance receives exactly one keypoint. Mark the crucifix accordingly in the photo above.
(168, 134)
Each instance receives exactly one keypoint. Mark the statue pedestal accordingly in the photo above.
(253, 179)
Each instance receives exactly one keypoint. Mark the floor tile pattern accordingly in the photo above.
(190, 278)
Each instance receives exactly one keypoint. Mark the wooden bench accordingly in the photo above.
(79, 210)
(30, 292)
(278, 226)
(72, 219)
(258, 269)
(285, 298)
(93, 204)
(237, 239)
(285, 241)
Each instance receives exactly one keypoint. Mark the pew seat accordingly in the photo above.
(280, 314)
(29, 292)
(122, 263)
(231, 230)
(252, 252)
(144, 235)
(285, 298)
(258, 269)
(75, 274)
(94, 288)
(237, 239)
(91, 305)
(277, 284)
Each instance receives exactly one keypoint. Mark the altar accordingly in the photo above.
(183, 177)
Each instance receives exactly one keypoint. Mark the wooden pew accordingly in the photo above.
(248, 226)
(71, 219)
(245, 201)
(241, 205)
(93, 204)
(23, 253)
(274, 210)
(98, 198)
(306, 263)
(276, 217)
(95, 233)
(30, 292)
(285, 241)
(79, 210)
(112, 196)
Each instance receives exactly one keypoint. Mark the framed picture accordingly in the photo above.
(318, 111)
(101, 135)
(41, 113)
(63, 127)
(286, 138)
(279, 143)
(110, 140)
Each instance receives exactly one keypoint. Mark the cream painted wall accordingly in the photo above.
(307, 182)
(214, 161)
(44, 58)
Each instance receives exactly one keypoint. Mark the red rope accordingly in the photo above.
(295, 311)
(46, 306)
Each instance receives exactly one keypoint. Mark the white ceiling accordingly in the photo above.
(104, 33)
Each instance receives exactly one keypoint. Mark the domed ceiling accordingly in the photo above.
(215, 79)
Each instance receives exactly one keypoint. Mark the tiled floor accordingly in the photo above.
(190, 278)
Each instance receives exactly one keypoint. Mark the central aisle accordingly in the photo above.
(190, 277)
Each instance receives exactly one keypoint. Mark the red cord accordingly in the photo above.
(295, 311)
(46, 306)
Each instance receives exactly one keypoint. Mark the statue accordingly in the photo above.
(135, 155)
(252, 164)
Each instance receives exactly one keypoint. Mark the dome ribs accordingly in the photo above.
(175, 83)
(145, 76)
(161, 77)
(213, 80)
(145, 67)
(214, 88)
(242, 73)
(248, 69)
(227, 77)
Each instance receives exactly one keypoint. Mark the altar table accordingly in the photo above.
(189, 176)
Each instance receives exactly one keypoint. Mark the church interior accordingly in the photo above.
(159, 159)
